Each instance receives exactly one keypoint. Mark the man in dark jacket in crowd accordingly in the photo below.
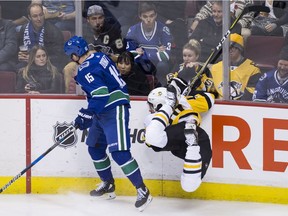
(8, 45)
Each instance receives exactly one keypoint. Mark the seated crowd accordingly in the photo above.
(149, 46)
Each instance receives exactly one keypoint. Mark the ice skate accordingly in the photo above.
(143, 198)
(105, 189)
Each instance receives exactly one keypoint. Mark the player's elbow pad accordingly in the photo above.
(154, 136)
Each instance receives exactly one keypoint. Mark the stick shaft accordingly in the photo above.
(37, 160)
(217, 51)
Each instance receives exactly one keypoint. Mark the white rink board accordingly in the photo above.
(253, 116)
(12, 136)
(75, 161)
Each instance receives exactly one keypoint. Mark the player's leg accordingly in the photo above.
(191, 175)
(119, 146)
(97, 146)
(205, 149)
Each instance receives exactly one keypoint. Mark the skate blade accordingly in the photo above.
(109, 196)
(141, 208)
(106, 196)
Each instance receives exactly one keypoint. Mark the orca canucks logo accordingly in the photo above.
(64, 132)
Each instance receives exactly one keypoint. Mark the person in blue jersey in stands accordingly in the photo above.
(107, 117)
(150, 41)
(272, 86)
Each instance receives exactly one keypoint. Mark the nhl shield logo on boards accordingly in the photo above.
(66, 134)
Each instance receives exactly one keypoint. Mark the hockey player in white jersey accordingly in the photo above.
(175, 121)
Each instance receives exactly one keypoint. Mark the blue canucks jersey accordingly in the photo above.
(270, 89)
(102, 83)
(160, 36)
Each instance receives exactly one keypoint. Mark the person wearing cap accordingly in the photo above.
(272, 87)
(101, 34)
(244, 75)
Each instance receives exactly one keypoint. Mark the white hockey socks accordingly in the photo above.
(191, 176)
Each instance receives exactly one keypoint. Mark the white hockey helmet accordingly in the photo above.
(157, 98)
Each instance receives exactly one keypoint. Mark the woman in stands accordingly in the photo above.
(39, 76)
(134, 77)
(190, 54)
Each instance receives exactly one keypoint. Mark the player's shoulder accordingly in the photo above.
(92, 61)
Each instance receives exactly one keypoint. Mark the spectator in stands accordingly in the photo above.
(134, 77)
(8, 45)
(274, 23)
(236, 8)
(42, 32)
(104, 36)
(209, 31)
(190, 54)
(272, 87)
(189, 68)
(15, 11)
(243, 72)
(60, 13)
(107, 8)
(151, 40)
(119, 9)
(40, 75)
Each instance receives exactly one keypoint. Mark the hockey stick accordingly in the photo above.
(217, 51)
(68, 132)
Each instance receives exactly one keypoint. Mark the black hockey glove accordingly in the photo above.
(84, 119)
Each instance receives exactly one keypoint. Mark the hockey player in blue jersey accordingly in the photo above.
(107, 117)
(272, 87)
(151, 39)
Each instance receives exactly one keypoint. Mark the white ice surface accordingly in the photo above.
(82, 205)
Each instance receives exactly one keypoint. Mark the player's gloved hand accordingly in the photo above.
(180, 83)
(169, 77)
(84, 119)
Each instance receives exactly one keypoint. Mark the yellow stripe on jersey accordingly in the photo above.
(199, 103)
(162, 117)
(192, 166)
(185, 113)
